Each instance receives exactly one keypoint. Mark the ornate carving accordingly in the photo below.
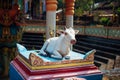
(90, 57)
(6, 20)
(9, 26)
(35, 60)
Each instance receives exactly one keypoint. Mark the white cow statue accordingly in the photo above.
(59, 47)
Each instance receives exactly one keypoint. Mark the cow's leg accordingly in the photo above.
(68, 55)
(56, 55)
(42, 51)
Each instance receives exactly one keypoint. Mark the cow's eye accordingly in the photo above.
(66, 33)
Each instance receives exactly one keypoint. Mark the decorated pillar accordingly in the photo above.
(26, 7)
(69, 12)
(41, 7)
(51, 6)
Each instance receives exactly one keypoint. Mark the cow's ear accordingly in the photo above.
(76, 31)
(65, 28)
(65, 33)
(61, 32)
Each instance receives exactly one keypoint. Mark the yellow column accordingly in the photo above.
(51, 6)
(69, 12)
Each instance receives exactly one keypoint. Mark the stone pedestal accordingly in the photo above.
(20, 71)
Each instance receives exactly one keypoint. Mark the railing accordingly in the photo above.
(106, 32)
(36, 28)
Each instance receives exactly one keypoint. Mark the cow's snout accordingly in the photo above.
(73, 41)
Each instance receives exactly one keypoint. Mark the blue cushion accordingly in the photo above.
(88, 53)
(21, 48)
(73, 56)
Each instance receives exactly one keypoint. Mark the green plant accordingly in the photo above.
(105, 21)
(118, 11)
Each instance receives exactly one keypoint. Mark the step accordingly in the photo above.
(97, 63)
(100, 52)
(103, 43)
(106, 54)
(104, 39)
(35, 34)
(32, 36)
(32, 39)
(79, 51)
(117, 62)
(82, 48)
(29, 47)
(32, 43)
(101, 59)
(96, 45)
(102, 66)
(99, 47)
(80, 36)
(110, 62)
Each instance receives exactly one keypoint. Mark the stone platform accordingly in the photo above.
(19, 71)
(29, 65)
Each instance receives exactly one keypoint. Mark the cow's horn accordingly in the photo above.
(65, 28)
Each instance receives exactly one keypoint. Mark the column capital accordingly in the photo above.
(51, 5)
(69, 1)
(70, 7)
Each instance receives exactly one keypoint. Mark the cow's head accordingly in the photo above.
(70, 35)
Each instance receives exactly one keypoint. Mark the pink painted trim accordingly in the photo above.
(53, 73)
